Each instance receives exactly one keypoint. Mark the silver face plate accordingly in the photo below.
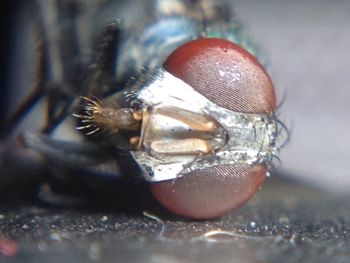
(248, 138)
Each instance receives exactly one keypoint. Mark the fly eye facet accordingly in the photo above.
(225, 73)
(210, 192)
(203, 127)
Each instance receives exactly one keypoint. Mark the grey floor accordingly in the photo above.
(285, 222)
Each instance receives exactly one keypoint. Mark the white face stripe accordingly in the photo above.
(251, 137)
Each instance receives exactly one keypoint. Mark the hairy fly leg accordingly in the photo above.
(61, 76)
(100, 78)
(64, 54)
(67, 80)
(87, 173)
(83, 155)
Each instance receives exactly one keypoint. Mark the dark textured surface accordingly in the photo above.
(285, 222)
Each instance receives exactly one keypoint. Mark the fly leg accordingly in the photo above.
(65, 57)
(37, 90)
(81, 171)
(71, 75)
(100, 78)
(67, 153)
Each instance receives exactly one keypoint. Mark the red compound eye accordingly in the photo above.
(232, 78)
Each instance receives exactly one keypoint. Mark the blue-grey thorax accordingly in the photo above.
(167, 24)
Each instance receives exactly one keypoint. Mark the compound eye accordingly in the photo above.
(211, 192)
(232, 78)
(225, 73)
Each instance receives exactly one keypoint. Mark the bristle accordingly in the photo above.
(89, 117)
(85, 127)
(93, 131)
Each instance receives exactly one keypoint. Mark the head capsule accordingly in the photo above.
(207, 127)
(210, 128)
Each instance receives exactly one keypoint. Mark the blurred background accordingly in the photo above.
(307, 43)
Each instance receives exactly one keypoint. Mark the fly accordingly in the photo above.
(178, 95)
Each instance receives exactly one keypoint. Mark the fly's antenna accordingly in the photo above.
(97, 116)
(90, 117)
